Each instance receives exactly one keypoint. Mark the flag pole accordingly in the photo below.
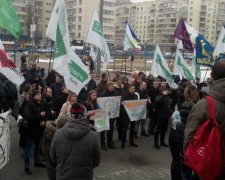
(50, 58)
(125, 65)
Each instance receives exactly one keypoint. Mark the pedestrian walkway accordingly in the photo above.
(142, 163)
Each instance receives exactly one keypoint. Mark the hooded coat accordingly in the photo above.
(76, 150)
(199, 113)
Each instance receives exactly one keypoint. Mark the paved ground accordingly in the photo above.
(143, 162)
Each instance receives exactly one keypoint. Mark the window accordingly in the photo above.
(79, 19)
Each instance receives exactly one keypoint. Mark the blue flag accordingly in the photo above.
(203, 51)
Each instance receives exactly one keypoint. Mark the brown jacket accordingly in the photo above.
(199, 113)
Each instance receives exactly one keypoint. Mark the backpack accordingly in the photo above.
(205, 153)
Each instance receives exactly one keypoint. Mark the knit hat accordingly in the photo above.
(78, 111)
(34, 93)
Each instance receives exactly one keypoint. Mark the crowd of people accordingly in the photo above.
(56, 121)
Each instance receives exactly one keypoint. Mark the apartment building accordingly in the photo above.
(207, 16)
(124, 12)
(107, 17)
(79, 14)
(39, 13)
(155, 21)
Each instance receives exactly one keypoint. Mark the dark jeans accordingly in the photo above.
(152, 125)
(119, 127)
(29, 146)
(161, 128)
(175, 170)
(109, 134)
(124, 132)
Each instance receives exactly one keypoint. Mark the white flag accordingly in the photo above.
(220, 46)
(66, 62)
(181, 68)
(160, 67)
(193, 33)
(9, 69)
(96, 37)
(195, 68)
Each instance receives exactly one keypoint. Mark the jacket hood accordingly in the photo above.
(50, 125)
(217, 90)
(75, 130)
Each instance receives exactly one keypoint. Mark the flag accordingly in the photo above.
(9, 19)
(203, 51)
(181, 68)
(195, 68)
(66, 62)
(8, 68)
(220, 46)
(93, 54)
(193, 33)
(160, 67)
(181, 33)
(131, 41)
(96, 37)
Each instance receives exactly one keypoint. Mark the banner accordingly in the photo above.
(111, 105)
(4, 139)
(182, 34)
(160, 67)
(130, 41)
(181, 68)
(9, 19)
(101, 120)
(96, 37)
(66, 62)
(220, 46)
(9, 69)
(136, 109)
(203, 51)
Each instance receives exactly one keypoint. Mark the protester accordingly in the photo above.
(35, 117)
(109, 92)
(143, 94)
(51, 127)
(102, 84)
(72, 98)
(199, 113)
(152, 93)
(81, 154)
(126, 121)
(164, 111)
(91, 84)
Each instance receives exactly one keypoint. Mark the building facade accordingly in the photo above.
(155, 21)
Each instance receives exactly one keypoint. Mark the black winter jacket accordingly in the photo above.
(33, 116)
(185, 109)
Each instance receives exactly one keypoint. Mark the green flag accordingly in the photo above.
(9, 19)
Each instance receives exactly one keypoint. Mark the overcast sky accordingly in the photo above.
(139, 0)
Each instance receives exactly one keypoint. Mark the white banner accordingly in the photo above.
(4, 139)
(136, 109)
(111, 105)
(101, 120)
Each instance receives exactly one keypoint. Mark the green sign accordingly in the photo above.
(77, 71)
(97, 28)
